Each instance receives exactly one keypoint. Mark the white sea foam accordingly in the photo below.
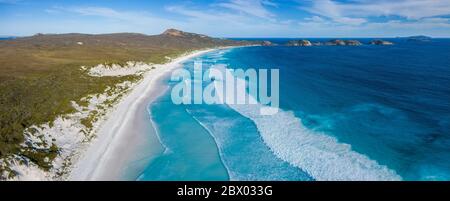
(320, 155)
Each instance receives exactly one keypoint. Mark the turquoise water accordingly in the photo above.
(211, 142)
(190, 152)
(367, 112)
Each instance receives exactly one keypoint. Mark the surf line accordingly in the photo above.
(228, 86)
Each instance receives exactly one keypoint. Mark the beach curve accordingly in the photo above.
(126, 130)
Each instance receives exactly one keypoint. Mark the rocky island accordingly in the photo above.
(267, 43)
(419, 38)
(343, 42)
(381, 42)
(335, 42)
(299, 43)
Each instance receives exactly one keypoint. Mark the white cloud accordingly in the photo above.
(111, 20)
(132, 16)
(269, 3)
(355, 12)
(142, 20)
(356, 17)
(437, 20)
(230, 23)
(315, 18)
(332, 11)
(251, 7)
(436, 27)
(207, 15)
(327, 18)
(410, 9)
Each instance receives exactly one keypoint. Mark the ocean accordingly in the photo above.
(346, 113)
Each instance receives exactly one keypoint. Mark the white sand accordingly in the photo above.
(130, 68)
(127, 139)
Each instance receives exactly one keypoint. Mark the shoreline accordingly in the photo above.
(127, 138)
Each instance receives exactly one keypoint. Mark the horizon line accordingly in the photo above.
(242, 37)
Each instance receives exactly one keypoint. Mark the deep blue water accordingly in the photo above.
(7, 38)
(391, 104)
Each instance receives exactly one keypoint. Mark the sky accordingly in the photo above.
(229, 18)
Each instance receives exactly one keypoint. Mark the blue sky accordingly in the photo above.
(230, 18)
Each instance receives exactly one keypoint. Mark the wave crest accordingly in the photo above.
(320, 155)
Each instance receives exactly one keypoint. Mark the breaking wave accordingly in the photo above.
(318, 154)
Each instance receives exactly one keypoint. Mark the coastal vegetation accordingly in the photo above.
(40, 78)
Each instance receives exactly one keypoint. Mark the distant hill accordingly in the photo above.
(419, 38)
(54, 49)
(171, 39)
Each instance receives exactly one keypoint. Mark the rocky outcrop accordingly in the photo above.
(381, 42)
(267, 43)
(331, 43)
(335, 42)
(178, 33)
(343, 42)
(352, 42)
(173, 32)
(299, 43)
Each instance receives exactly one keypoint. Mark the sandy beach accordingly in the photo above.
(126, 139)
